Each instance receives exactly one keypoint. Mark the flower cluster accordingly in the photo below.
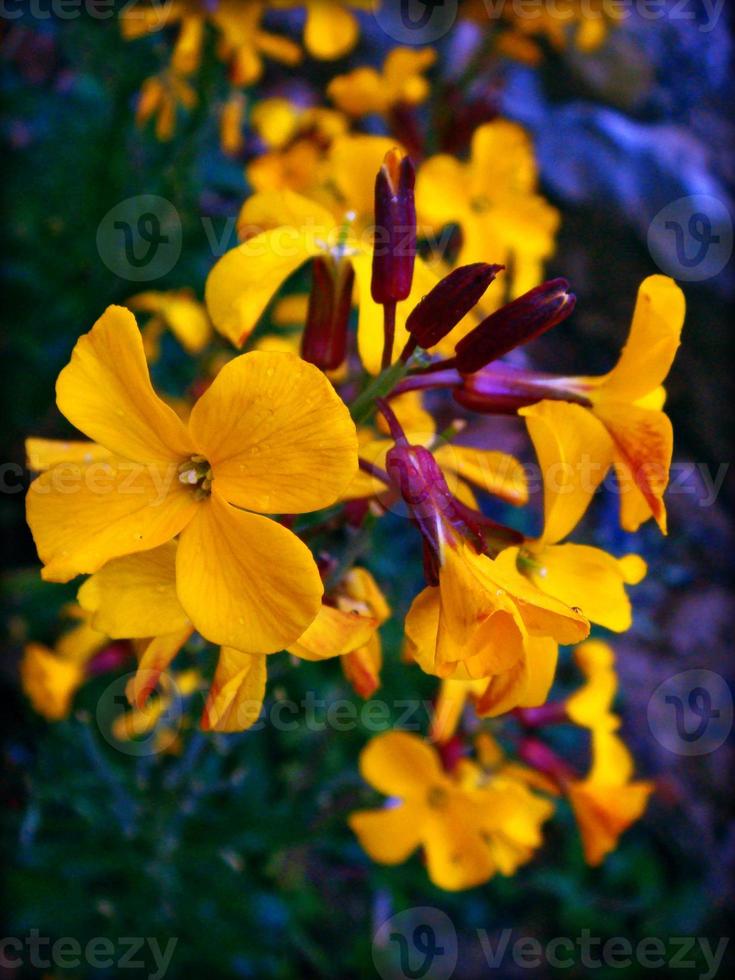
(236, 522)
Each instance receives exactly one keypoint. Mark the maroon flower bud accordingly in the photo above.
(514, 324)
(394, 251)
(544, 759)
(448, 302)
(324, 341)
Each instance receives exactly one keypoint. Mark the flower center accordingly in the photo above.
(437, 798)
(196, 473)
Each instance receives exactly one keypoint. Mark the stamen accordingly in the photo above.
(196, 473)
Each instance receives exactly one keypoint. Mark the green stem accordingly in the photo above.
(364, 405)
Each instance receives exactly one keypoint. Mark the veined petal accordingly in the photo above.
(278, 437)
(244, 281)
(236, 695)
(244, 580)
(644, 442)
(495, 472)
(135, 596)
(654, 338)
(332, 634)
(390, 835)
(574, 452)
(82, 516)
(42, 454)
(587, 577)
(399, 764)
(106, 392)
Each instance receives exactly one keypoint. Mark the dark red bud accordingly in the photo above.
(394, 251)
(541, 757)
(514, 324)
(324, 341)
(448, 302)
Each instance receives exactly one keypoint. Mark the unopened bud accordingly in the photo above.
(515, 324)
(448, 302)
(394, 252)
(324, 342)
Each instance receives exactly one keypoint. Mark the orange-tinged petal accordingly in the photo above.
(449, 706)
(42, 454)
(157, 655)
(82, 516)
(236, 695)
(574, 452)
(652, 343)
(332, 634)
(244, 281)
(277, 436)
(644, 442)
(603, 813)
(106, 392)
(389, 835)
(589, 578)
(135, 596)
(244, 580)
(400, 764)
(362, 667)
(49, 681)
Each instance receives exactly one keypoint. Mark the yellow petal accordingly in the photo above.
(588, 578)
(157, 656)
(360, 92)
(106, 392)
(80, 643)
(237, 692)
(591, 705)
(354, 161)
(269, 210)
(82, 516)
(457, 856)
(244, 281)
(389, 835)
(644, 442)
(50, 682)
(332, 634)
(244, 580)
(42, 454)
(604, 812)
(135, 596)
(362, 666)
(652, 343)
(331, 31)
(277, 436)
(400, 764)
(442, 195)
(495, 472)
(574, 452)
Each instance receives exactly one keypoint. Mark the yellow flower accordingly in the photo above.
(283, 230)
(469, 829)
(135, 597)
(484, 619)
(160, 96)
(51, 678)
(331, 29)
(607, 801)
(269, 435)
(620, 422)
(366, 90)
(494, 472)
(180, 312)
(360, 595)
(591, 705)
(494, 200)
(241, 42)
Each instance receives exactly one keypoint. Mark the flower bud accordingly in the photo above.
(394, 251)
(448, 302)
(514, 324)
(324, 342)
